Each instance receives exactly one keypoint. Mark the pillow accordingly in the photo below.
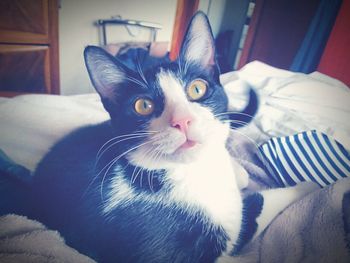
(31, 124)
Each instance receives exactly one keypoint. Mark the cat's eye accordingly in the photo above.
(197, 89)
(144, 106)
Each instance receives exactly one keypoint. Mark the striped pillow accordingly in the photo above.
(307, 156)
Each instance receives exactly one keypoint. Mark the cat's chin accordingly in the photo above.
(185, 153)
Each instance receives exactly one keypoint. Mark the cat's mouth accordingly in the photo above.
(187, 144)
(186, 151)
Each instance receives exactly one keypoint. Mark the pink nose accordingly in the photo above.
(181, 124)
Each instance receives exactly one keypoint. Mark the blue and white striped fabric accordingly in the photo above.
(306, 156)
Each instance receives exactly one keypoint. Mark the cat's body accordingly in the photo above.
(189, 218)
(156, 183)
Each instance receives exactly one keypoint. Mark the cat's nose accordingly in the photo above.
(181, 124)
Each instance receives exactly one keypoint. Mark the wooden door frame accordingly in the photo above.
(184, 11)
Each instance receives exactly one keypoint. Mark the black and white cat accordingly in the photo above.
(163, 187)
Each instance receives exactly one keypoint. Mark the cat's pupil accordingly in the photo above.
(198, 90)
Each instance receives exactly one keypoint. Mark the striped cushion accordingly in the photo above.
(306, 156)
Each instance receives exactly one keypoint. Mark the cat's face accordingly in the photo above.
(168, 113)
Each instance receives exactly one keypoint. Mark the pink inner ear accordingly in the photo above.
(212, 61)
(200, 42)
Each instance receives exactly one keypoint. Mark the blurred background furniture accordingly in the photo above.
(29, 47)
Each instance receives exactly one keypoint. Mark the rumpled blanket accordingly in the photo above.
(314, 229)
(24, 240)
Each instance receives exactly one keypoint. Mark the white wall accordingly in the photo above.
(77, 30)
(227, 15)
(215, 11)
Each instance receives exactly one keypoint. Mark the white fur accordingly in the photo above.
(120, 193)
(208, 184)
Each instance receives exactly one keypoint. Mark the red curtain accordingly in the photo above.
(335, 60)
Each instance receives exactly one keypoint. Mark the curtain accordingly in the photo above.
(311, 49)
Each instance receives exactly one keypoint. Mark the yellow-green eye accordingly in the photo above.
(144, 106)
(197, 89)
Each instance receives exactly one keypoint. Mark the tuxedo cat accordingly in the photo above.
(156, 182)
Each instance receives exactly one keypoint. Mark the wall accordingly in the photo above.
(227, 15)
(76, 30)
(215, 11)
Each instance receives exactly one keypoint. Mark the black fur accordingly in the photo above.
(252, 207)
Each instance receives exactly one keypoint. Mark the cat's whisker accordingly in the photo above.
(264, 162)
(114, 160)
(158, 154)
(152, 153)
(149, 176)
(100, 153)
(108, 166)
(235, 121)
(233, 112)
(94, 179)
(136, 81)
(141, 176)
(138, 169)
(180, 66)
(123, 136)
(240, 123)
(141, 72)
(186, 65)
(132, 176)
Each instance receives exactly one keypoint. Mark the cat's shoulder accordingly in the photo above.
(80, 144)
(93, 132)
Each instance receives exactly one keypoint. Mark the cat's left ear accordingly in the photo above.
(106, 73)
(198, 45)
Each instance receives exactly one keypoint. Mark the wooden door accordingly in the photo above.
(276, 31)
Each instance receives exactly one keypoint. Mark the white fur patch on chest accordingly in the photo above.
(209, 185)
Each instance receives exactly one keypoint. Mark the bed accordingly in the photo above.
(289, 103)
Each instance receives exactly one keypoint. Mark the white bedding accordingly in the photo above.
(31, 124)
(289, 103)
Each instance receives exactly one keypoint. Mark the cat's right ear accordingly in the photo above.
(199, 45)
(105, 72)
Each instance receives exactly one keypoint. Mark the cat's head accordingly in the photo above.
(172, 111)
